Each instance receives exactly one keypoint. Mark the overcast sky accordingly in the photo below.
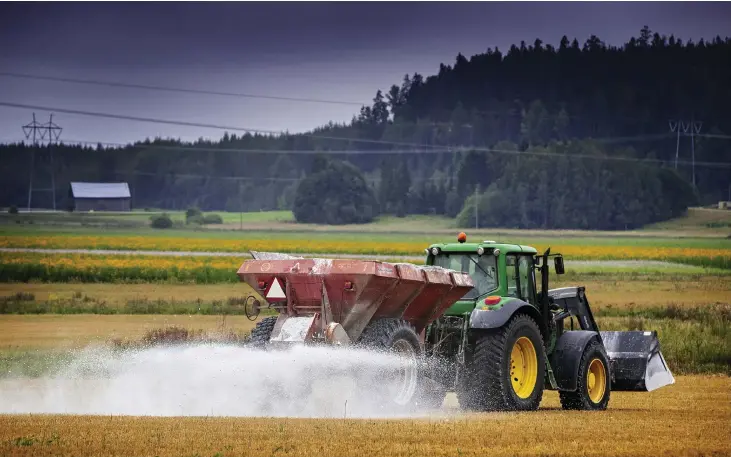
(334, 51)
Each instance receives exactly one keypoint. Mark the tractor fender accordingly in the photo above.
(566, 357)
(487, 319)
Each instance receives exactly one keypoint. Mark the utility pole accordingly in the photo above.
(39, 132)
(54, 133)
(675, 126)
(477, 219)
(241, 207)
(695, 129)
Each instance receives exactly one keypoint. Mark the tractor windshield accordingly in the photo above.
(482, 270)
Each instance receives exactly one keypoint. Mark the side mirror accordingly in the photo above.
(558, 263)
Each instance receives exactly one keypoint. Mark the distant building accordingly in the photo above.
(100, 196)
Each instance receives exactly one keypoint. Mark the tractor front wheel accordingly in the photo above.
(508, 368)
(593, 383)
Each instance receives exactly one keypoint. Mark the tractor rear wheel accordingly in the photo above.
(399, 337)
(593, 383)
(262, 332)
(508, 367)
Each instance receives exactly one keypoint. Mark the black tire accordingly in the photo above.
(581, 399)
(389, 335)
(490, 384)
(262, 331)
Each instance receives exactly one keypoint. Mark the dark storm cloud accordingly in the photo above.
(342, 51)
(234, 33)
(170, 33)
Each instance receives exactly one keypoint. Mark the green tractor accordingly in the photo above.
(507, 340)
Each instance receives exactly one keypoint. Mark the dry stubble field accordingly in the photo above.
(690, 418)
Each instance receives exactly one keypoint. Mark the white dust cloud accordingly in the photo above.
(210, 380)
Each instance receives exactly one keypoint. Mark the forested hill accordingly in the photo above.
(589, 89)
(510, 125)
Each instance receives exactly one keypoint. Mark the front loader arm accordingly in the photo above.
(574, 302)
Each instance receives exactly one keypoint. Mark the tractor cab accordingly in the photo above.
(498, 270)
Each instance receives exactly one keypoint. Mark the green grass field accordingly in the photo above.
(140, 216)
(699, 222)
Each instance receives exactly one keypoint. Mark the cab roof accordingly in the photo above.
(487, 244)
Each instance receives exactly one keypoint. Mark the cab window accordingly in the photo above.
(482, 270)
(520, 277)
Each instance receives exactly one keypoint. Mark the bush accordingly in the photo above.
(194, 215)
(336, 193)
(212, 219)
(196, 219)
(161, 221)
(13, 209)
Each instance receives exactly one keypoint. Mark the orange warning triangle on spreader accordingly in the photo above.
(276, 291)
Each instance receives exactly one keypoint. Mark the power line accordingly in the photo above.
(193, 148)
(442, 150)
(245, 178)
(646, 137)
(202, 125)
(97, 82)
(176, 89)
(280, 133)
(714, 135)
(420, 148)
(199, 176)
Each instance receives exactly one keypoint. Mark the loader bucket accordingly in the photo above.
(637, 363)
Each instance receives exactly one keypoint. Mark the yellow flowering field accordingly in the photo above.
(719, 258)
(32, 266)
(110, 268)
(703, 256)
(143, 243)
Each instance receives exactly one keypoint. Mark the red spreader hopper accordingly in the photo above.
(333, 300)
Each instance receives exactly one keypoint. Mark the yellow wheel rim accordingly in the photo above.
(596, 380)
(523, 367)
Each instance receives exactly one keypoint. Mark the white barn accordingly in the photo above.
(101, 196)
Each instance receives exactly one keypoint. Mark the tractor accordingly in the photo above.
(473, 320)
(506, 340)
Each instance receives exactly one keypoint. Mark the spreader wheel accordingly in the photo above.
(593, 383)
(395, 336)
(508, 369)
(262, 332)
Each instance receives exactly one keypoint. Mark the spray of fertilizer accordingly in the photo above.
(209, 380)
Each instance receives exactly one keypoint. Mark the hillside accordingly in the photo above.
(588, 101)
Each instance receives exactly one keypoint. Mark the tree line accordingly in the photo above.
(481, 125)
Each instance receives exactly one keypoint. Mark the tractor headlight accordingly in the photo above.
(480, 250)
(435, 251)
(496, 252)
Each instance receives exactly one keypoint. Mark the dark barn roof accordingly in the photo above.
(100, 190)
